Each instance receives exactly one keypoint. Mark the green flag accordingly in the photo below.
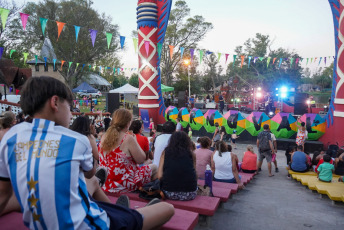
(43, 24)
(77, 65)
(4, 15)
(200, 56)
(159, 49)
(70, 63)
(89, 68)
(291, 62)
(108, 38)
(269, 58)
(219, 56)
(261, 58)
(94, 68)
(12, 51)
(36, 57)
(234, 57)
(307, 61)
(25, 57)
(135, 41)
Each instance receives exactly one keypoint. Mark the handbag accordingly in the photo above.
(204, 190)
(151, 190)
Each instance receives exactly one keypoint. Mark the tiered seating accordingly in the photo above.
(334, 190)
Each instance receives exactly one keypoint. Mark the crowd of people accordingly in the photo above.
(47, 164)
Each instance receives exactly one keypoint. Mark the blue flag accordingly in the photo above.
(77, 29)
(122, 40)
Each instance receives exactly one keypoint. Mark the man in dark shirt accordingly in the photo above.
(265, 148)
(107, 121)
(222, 103)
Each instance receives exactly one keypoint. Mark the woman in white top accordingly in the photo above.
(224, 165)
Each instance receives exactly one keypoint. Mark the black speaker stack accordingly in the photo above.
(112, 102)
(300, 103)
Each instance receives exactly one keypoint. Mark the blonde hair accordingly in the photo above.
(7, 119)
(250, 148)
(120, 120)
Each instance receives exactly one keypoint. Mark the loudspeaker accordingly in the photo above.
(181, 99)
(300, 98)
(112, 102)
(135, 110)
(300, 108)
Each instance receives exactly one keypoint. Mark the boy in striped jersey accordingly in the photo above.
(47, 163)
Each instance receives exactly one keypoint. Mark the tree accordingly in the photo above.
(259, 73)
(119, 81)
(181, 32)
(212, 76)
(77, 13)
(323, 78)
(134, 80)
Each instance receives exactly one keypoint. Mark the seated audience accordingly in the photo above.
(224, 164)
(137, 128)
(249, 161)
(339, 163)
(290, 150)
(321, 160)
(161, 141)
(120, 154)
(7, 120)
(314, 158)
(203, 156)
(299, 162)
(177, 169)
(325, 170)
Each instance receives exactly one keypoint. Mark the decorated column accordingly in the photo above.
(152, 19)
(335, 117)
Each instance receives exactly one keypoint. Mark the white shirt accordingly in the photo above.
(160, 144)
(45, 164)
(223, 166)
(179, 126)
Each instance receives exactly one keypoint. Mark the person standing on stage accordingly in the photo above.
(222, 103)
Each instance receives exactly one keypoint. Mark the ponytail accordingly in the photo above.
(110, 139)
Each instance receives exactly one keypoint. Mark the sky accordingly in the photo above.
(305, 26)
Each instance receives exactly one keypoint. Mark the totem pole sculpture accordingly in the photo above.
(335, 117)
(152, 20)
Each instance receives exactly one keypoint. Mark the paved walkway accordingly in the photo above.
(276, 203)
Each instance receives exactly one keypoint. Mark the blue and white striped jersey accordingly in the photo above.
(45, 164)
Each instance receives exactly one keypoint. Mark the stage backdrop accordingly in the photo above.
(283, 125)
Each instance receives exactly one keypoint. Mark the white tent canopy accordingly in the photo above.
(125, 89)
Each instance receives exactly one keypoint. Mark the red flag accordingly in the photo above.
(60, 26)
(242, 60)
(62, 62)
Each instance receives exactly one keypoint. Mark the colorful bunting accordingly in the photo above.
(226, 57)
(83, 66)
(268, 62)
(192, 53)
(25, 57)
(159, 49)
(118, 71)
(242, 60)
(135, 41)
(43, 24)
(261, 58)
(291, 62)
(325, 60)
(219, 56)
(273, 61)
(1, 51)
(108, 39)
(280, 62)
(54, 60)
(297, 61)
(315, 59)
(147, 43)
(77, 64)
(11, 52)
(122, 40)
(320, 60)
(181, 52)
(234, 57)
(307, 62)
(45, 60)
(255, 59)
(70, 63)
(60, 26)
(62, 62)
(77, 29)
(36, 57)
(4, 15)
(249, 61)
(24, 18)
(171, 51)
(93, 34)
(200, 56)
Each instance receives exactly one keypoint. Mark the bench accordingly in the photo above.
(246, 177)
(232, 187)
(334, 190)
(181, 220)
(222, 193)
(203, 205)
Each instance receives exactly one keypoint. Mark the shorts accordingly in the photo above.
(180, 195)
(232, 181)
(233, 141)
(121, 217)
(266, 154)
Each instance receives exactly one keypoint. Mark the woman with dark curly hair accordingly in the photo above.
(177, 169)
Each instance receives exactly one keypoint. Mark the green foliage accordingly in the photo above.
(323, 77)
(66, 48)
(119, 81)
(259, 74)
(134, 80)
(181, 32)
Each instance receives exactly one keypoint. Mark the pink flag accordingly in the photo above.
(24, 18)
(147, 43)
(226, 57)
(297, 61)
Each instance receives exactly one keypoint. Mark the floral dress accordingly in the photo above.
(301, 137)
(124, 175)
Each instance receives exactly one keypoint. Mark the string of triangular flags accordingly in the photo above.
(116, 70)
(60, 25)
(93, 33)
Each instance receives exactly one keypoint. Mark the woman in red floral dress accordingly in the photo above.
(120, 154)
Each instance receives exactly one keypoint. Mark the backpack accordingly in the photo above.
(151, 190)
(264, 144)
